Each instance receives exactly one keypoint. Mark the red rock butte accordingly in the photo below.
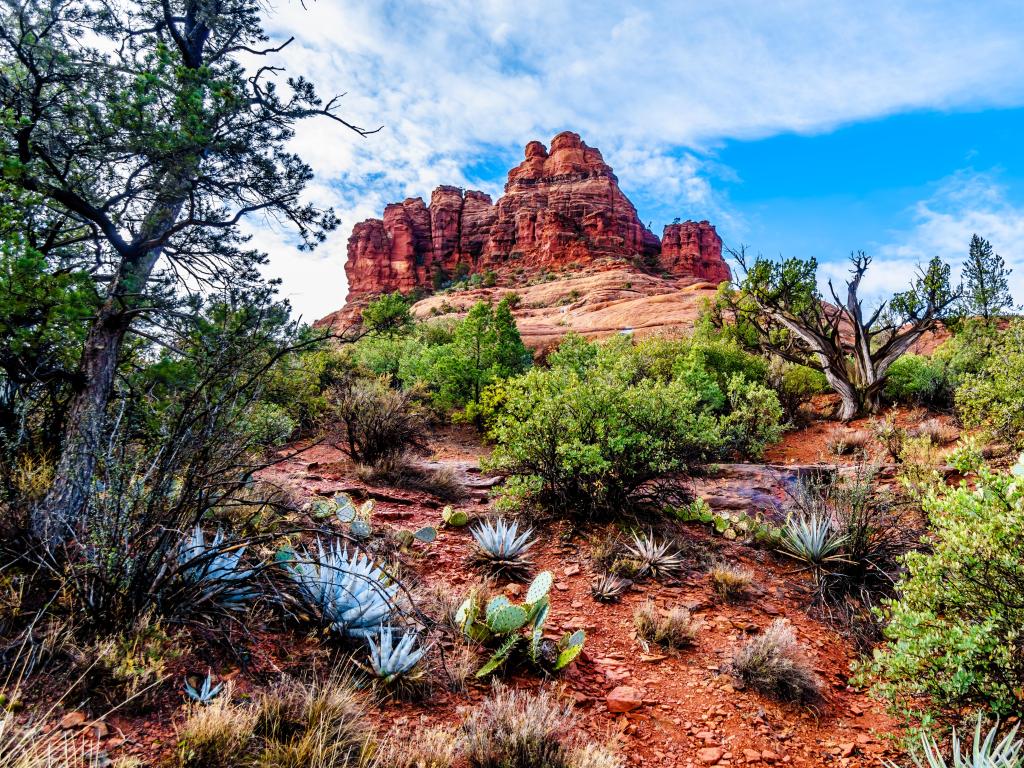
(562, 211)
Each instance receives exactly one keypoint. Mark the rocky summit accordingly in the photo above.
(562, 211)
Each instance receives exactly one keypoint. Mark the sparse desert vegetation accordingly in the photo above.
(550, 491)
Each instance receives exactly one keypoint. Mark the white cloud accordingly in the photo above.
(454, 81)
(966, 203)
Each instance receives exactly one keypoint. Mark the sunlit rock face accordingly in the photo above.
(562, 211)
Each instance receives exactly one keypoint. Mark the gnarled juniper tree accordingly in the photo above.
(144, 131)
(778, 308)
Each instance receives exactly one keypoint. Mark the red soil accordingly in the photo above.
(689, 700)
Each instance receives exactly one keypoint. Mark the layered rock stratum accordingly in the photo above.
(561, 208)
(562, 217)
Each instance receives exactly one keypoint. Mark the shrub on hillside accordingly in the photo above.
(993, 398)
(919, 380)
(380, 423)
(795, 385)
(593, 431)
(953, 628)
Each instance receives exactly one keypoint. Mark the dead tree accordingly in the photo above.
(778, 308)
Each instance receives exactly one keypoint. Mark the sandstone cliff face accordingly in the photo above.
(562, 209)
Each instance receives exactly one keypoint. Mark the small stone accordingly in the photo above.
(769, 757)
(845, 750)
(624, 698)
(72, 720)
(751, 755)
(571, 570)
(710, 755)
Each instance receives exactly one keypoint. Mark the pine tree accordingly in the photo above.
(985, 279)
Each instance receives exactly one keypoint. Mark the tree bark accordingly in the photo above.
(58, 515)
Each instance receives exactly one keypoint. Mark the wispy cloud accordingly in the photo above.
(453, 81)
(963, 204)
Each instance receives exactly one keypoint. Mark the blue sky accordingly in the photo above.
(799, 128)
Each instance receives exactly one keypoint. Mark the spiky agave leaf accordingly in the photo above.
(206, 692)
(607, 588)
(501, 548)
(656, 556)
(215, 568)
(390, 660)
(351, 594)
(810, 538)
(988, 752)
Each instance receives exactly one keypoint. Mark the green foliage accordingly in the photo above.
(985, 278)
(589, 432)
(795, 385)
(387, 315)
(993, 397)
(455, 363)
(919, 380)
(953, 631)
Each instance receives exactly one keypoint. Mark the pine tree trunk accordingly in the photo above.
(56, 518)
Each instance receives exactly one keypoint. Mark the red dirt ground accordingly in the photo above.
(690, 702)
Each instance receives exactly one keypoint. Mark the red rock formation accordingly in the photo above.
(693, 249)
(560, 208)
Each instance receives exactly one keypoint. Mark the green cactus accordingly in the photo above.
(500, 656)
(503, 620)
(540, 587)
(569, 648)
(456, 518)
(507, 619)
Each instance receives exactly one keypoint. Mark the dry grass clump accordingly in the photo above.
(519, 729)
(294, 725)
(218, 733)
(935, 431)
(403, 471)
(849, 442)
(730, 582)
(430, 748)
(775, 664)
(674, 630)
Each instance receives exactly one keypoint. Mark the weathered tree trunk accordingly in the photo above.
(57, 516)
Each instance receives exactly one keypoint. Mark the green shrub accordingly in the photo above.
(795, 385)
(589, 444)
(919, 380)
(993, 397)
(592, 431)
(954, 628)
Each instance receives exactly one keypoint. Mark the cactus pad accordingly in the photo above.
(540, 587)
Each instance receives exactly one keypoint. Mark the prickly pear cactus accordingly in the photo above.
(456, 518)
(569, 648)
(540, 587)
(506, 619)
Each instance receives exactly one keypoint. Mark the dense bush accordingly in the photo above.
(993, 397)
(380, 423)
(453, 361)
(953, 633)
(920, 380)
(795, 385)
(592, 432)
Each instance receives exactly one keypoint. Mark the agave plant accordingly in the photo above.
(352, 595)
(655, 556)
(501, 548)
(607, 588)
(811, 539)
(215, 568)
(205, 692)
(390, 661)
(987, 752)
